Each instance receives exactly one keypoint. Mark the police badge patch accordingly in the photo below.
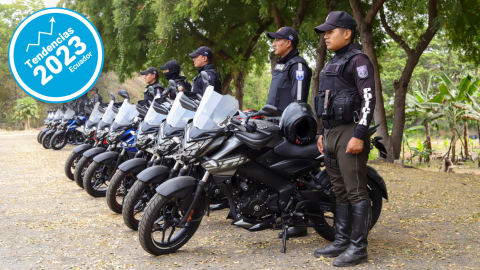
(362, 71)
(300, 75)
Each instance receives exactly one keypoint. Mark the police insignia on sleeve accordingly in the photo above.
(300, 75)
(362, 71)
(180, 88)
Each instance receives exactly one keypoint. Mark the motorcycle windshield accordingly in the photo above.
(214, 110)
(96, 114)
(109, 115)
(178, 116)
(58, 115)
(126, 113)
(69, 114)
(153, 118)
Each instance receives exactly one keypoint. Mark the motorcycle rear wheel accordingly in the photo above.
(157, 224)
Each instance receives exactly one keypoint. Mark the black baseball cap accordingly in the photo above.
(204, 50)
(337, 19)
(94, 89)
(171, 65)
(150, 70)
(285, 33)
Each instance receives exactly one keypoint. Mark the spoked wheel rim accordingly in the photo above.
(46, 141)
(100, 179)
(122, 189)
(142, 202)
(164, 231)
(84, 169)
(57, 142)
(75, 161)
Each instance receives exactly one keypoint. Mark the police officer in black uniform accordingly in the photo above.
(151, 79)
(290, 82)
(171, 71)
(345, 102)
(95, 96)
(202, 58)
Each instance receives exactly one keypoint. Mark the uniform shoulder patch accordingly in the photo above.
(362, 71)
(300, 75)
(180, 88)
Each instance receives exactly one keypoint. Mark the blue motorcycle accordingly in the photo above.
(70, 130)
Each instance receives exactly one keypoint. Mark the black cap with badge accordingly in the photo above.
(151, 70)
(171, 65)
(204, 50)
(285, 33)
(94, 89)
(337, 19)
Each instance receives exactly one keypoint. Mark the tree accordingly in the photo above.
(454, 108)
(25, 109)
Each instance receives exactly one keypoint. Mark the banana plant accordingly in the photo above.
(453, 106)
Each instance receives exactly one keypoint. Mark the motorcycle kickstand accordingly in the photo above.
(284, 248)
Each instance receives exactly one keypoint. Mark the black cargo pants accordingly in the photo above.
(349, 172)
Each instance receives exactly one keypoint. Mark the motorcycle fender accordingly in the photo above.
(44, 129)
(82, 148)
(180, 187)
(50, 132)
(106, 158)
(93, 152)
(375, 176)
(155, 174)
(59, 132)
(135, 165)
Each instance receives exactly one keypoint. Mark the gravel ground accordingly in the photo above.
(47, 222)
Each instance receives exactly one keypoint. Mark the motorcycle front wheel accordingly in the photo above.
(71, 164)
(118, 189)
(96, 179)
(58, 141)
(158, 233)
(80, 170)
(46, 141)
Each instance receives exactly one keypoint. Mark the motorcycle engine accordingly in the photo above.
(253, 200)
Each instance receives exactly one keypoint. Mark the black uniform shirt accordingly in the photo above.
(359, 71)
(158, 90)
(215, 80)
(292, 74)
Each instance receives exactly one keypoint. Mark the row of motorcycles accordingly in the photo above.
(165, 164)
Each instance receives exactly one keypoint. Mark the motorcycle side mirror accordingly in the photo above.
(152, 91)
(269, 110)
(172, 83)
(205, 78)
(112, 96)
(123, 94)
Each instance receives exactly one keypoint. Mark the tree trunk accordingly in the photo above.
(465, 138)
(226, 84)
(429, 140)
(454, 130)
(26, 124)
(321, 55)
(239, 83)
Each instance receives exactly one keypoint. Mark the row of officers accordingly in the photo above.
(345, 103)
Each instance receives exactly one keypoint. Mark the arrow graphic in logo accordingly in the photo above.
(52, 20)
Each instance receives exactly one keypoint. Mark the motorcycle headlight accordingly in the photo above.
(89, 131)
(164, 144)
(115, 135)
(100, 134)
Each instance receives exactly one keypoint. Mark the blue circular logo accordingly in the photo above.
(55, 55)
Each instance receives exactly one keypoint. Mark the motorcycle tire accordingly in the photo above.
(167, 207)
(327, 231)
(118, 189)
(95, 179)
(46, 141)
(71, 164)
(39, 136)
(57, 143)
(80, 170)
(135, 203)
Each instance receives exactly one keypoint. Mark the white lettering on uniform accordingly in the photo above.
(366, 109)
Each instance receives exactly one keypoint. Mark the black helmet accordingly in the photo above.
(299, 123)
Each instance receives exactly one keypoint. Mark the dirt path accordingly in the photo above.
(47, 222)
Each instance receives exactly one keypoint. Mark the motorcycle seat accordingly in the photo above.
(255, 140)
(294, 151)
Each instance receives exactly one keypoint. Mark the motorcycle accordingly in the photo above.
(47, 121)
(145, 140)
(56, 121)
(87, 152)
(122, 133)
(89, 132)
(270, 183)
(70, 130)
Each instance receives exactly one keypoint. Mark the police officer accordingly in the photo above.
(291, 75)
(290, 82)
(171, 71)
(95, 96)
(202, 58)
(345, 103)
(151, 79)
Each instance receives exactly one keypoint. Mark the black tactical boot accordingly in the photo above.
(357, 250)
(293, 232)
(343, 228)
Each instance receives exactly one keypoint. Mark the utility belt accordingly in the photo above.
(337, 109)
(330, 160)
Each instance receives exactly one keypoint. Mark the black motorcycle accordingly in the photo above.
(269, 182)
